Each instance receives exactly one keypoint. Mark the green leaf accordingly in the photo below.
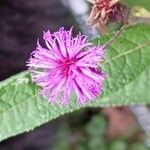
(127, 82)
(22, 108)
(127, 68)
(143, 3)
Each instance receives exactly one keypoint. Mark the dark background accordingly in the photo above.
(21, 23)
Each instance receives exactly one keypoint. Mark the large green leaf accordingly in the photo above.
(127, 82)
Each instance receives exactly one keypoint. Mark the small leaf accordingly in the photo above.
(127, 69)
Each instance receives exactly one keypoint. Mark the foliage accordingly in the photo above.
(93, 137)
(127, 82)
(143, 3)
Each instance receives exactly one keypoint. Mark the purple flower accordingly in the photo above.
(67, 65)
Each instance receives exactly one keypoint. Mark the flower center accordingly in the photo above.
(104, 4)
(66, 66)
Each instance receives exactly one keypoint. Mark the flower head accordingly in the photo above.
(106, 11)
(67, 64)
